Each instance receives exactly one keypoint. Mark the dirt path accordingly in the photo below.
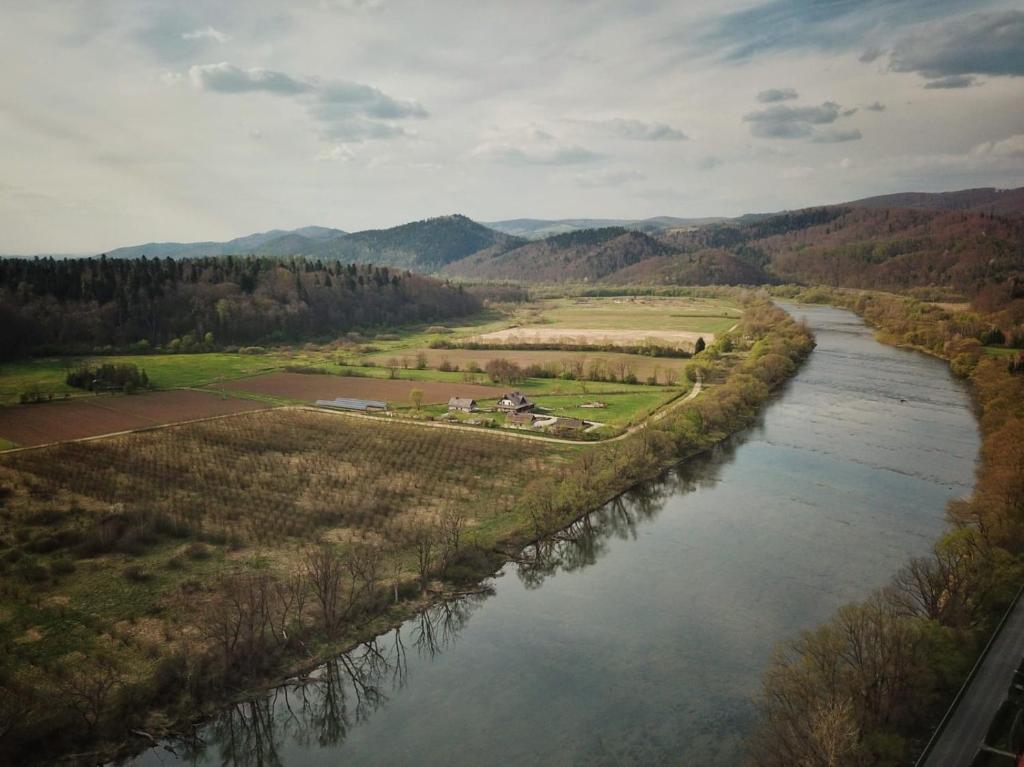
(663, 411)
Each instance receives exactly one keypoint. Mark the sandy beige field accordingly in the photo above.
(542, 335)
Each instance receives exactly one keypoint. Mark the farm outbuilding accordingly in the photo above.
(524, 418)
(346, 403)
(563, 425)
(514, 402)
(463, 404)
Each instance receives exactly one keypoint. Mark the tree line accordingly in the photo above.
(81, 305)
(864, 688)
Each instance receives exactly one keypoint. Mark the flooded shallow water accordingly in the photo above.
(639, 635)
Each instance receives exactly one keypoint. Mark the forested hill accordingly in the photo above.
(422, 246)
(575, 256)
(897, 249)
(75, 305)
(883, 248)
(1001, 202)
(276, 242)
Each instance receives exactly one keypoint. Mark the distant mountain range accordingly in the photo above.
(1001, 202)
(276, 242)
(537, 228)
(960, 239)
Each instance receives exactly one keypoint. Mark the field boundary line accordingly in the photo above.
(657, 415)
(152, 427)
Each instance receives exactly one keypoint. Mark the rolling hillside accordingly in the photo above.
(587, 255)
(962, 241)
(423, 246)
(276, 242)
(1001, 202)
(538, 228)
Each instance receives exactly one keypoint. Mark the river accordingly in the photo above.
(639, 635)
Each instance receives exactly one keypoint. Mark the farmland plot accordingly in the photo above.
(285, 474)
(309, 387)
(28, 425)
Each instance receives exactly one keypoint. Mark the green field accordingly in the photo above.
(1001, 351)
(165, 371)
(622, 409)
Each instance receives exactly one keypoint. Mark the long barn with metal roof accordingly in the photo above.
(347, 403)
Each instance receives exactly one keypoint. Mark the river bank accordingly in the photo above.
(637, 634)
(740, 377)
(934, 616)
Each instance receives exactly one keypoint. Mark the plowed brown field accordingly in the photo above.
(28, 425)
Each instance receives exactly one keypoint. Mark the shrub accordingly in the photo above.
(108, 377)
(197, 551)
(136, 574)
(62, 566)
(32, 571)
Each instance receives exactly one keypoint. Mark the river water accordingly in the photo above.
(638, 637)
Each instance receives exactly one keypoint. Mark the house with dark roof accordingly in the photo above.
(514, 402)
(462, 404)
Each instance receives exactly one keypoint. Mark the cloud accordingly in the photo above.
(512, 154)
(1013, 147)
(878, 106)
(609, 177)
(953, 81)
(227, 78)
(989, 43)
(838, 25)
(208, 33)
(336, 153)
(834, 136)
(870, 54)
(773, 95)
(346, 111)
(708, 163)
(638, 130)
(788, 122)
(341, 99)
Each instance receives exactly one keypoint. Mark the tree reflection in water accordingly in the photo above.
(323, 708)
(584, 541)
(320, 710)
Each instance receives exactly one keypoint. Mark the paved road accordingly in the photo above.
(966, 729)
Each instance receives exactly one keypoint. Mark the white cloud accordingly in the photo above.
(206, 33)
(336, 153)
(1013, 146)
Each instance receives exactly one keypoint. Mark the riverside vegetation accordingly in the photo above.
(864, 688)
(277, 539)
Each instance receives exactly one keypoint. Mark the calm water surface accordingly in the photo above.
(639, 636)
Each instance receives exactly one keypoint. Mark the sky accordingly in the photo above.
(128, 122)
